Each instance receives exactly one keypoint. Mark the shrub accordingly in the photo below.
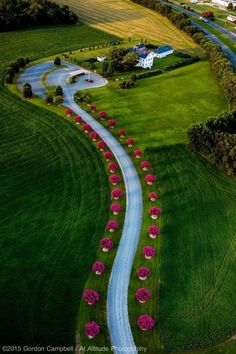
(58, 91)
(130, 142)
(98, 267)
(116, 194)
(154, 212)
(57, 61)
(143, 295)
(49, 99)
(121, 133)
(149, 252)
(92, 329)
(150, 179)
(58, 100)
(27, 91)
(111, 123)
(68, 112)
(112, 225)
(102, 115)
(114, 179)
(116, 208)
(145, 322)
(87, 128)
(112, 167)
(137, 153)
(8, 79)
(145, 165)
(108, 155)
(143, 273)
(101, 145)
(90, 296)
(153, 231)
(152, 196)
(94, 136)
(106, 244)
(78, 119)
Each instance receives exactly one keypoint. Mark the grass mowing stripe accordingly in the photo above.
(52, 208)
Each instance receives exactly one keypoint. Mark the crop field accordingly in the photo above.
(54, 203)
(197, 269)
(126, 19)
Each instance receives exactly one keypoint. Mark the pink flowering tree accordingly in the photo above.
(78, 119)
(116, 194)
(87, 128)
(106, 244)
(153, 231)
(114, 179)
(116, 209)
(122, 133)
(101, 145)
(111, 123)
(149, 252)
(112, 167)
(130, 142)
(154, 212)
(145, 322)
(150, 179)
(143, 273)
(94, 136)
(90, 296)
(93, 107)
(145, 165)
(112, 225)
(92, 329)
(137, 153)
(153, 196)
(102, 115)
(68, 112)
(98, 267)
(143, 295)
(108, 155)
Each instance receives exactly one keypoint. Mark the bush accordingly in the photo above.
(58, 100)
(8, 79)
(15, 67)
(27, 91)
(57, 61)
(49, 99)
(58, 91)
(21, 62)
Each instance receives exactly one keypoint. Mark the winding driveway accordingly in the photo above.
(117, 298)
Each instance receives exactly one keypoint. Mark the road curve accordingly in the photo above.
(117, 297)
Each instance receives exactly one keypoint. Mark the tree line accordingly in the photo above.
(220, 64)
(15, 14)
(216, 141)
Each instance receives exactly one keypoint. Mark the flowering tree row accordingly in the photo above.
(91, 296)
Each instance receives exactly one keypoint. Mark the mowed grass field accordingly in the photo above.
(125, 19)
(197, 306)
(159, 110)
(54, 198)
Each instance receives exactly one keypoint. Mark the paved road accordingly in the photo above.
(117, 307)
(229, 34)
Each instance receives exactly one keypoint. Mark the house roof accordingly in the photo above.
(144, 55)
(161, 50)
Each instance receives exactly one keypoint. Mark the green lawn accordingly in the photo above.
(54, 203)
(197, 268)
(158, 110)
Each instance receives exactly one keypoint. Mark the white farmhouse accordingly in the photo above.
(224, 3)
(231, 18)
(145, 60)
(101, 58)
(146, 56)
(162, 52)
